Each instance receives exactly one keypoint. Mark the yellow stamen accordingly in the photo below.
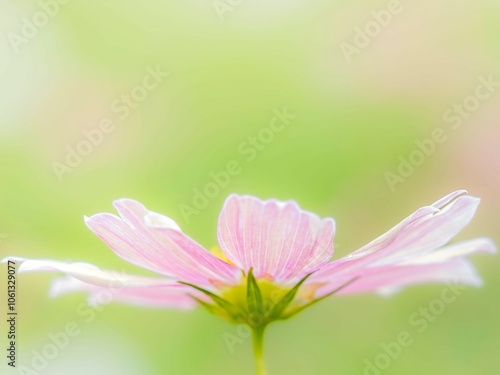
(215, 250)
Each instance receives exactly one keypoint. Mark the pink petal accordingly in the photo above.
(155, 242)
(457, 250)
(276, 239)
(422, 232)
(411, 252)
(152, 296)
(89, 273)
(390, 278)
(109, 286)
(163, 230)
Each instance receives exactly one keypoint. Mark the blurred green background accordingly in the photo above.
(229, 67)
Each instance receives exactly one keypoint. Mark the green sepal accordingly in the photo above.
(229, 308)
(213, 309)
(254, 295)
(280, 307)
(303, 307)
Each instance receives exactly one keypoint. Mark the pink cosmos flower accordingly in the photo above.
(274, 260)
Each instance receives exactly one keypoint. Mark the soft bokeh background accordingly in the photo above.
(226, 76)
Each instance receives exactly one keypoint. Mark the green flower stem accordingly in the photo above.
(258, 341)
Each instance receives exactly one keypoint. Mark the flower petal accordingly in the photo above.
(153, 241)
(456, 250)
(162, 229)
(276, 239)
(390, 278)
(422, 232)
(166, 232)
(177, 296)
(89, 273)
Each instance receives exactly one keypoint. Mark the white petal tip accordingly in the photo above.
(478, 283)
(155, 220)
(388, 291)
(54, 291)
(27, 267)
(281, 204)
(87, 220)
(12, 259)
(490, 246)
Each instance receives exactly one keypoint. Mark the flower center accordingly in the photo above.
(258, 302)
(270, 295)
